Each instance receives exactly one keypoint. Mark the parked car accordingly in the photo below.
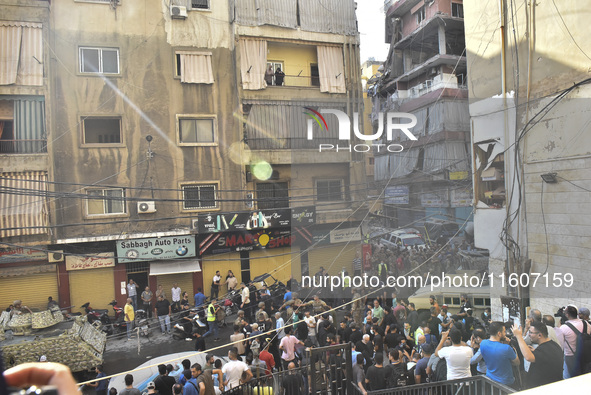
(402, 241)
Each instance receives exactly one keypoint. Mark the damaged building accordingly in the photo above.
(424, 75)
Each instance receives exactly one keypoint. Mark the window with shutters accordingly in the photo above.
(22, 126)
(105, 201)
(198, 4)
(272, 195)
(193, 67)
(199, 196)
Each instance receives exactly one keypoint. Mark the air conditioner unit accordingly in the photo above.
(55, 256)
(194, 224)
(146, 207)
(178, 12)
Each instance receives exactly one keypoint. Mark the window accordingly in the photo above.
(199, 196)
(276, 64)
(99, 60)
(22, 126)
(421, 15)
(329, 190)
(272, 195)
(314, 75)
(108, 201)
(451, 301)
(457, 10)
(196, 130)
(21, 53)
(193, 67)
(199, 4)
(101, 130)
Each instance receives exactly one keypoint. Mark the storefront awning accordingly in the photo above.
(159, 268)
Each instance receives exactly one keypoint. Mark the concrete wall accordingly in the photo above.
(148, 98)
(549, 61)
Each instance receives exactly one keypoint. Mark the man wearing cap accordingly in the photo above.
(151, 387)
(571, 366)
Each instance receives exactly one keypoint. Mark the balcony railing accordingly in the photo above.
(290, 143)
(477, 385)
(23, 146)
(298, 81)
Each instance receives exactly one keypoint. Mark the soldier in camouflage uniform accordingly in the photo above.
(357, 308)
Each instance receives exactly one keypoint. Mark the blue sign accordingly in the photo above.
(396, 195)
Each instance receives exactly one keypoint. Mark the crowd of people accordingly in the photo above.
(391, 343)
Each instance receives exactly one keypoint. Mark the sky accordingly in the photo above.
(371, 18)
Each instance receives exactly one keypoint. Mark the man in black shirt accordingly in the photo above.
(163, 311)
(389, 320)
(376, 374)
(344, 332)
(164, 382)
(546, 360)
(355, 336)
(392, 339)
(293, 383)
(433, 323)
(465, 304)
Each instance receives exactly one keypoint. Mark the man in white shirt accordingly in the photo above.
(571, 366)
(279, 324)
(215, 285)
(233, 370)
(311, 322)
(176, 297)
(457, 356)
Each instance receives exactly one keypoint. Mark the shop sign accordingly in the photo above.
(461, 197)
(156, 248)
(20, 254)
(243, 221)
(345, 235)
(434, 200)
(302, 216)
(252, 221)
(396, 195)
(92, 261)
(246, 241)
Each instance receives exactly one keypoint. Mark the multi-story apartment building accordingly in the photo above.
(141, 141)
(424, 75)
(528, 76)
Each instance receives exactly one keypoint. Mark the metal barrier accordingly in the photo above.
(476, 385)
(269, 384)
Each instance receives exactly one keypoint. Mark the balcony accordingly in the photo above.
(23, 146)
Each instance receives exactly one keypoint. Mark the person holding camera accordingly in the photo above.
(498, 355)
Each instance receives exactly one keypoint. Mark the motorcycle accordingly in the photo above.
(119, 322)
(185, 328)
(141, 321)
(98, 315)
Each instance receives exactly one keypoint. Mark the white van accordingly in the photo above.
(402, 241)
